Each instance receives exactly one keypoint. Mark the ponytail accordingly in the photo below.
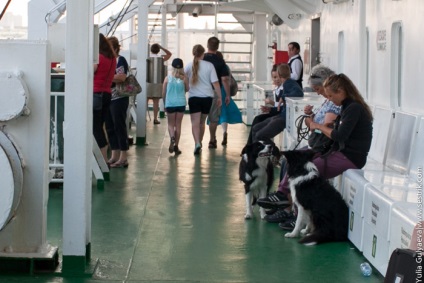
(198, 51)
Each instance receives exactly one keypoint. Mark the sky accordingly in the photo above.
(17, 7)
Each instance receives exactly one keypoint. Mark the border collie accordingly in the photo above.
(320, 205)
(256, 171)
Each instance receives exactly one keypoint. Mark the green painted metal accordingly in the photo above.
(73, 265)
(106, 176)
(100, 184)
(141, 141)
(30, 265)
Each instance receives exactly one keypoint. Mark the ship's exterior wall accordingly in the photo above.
(372, 24)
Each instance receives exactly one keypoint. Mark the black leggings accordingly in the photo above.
(116, 125)
(100, 114)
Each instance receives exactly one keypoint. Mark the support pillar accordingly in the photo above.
(78, 151)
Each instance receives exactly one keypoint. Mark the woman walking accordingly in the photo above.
(202, 76)
(173, 92)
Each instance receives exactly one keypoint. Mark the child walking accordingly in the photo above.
(173, 92)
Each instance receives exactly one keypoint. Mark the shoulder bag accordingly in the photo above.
(130, 87)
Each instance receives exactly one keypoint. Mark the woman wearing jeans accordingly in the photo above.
(116, 125)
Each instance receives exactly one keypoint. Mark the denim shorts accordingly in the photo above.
(175, 109)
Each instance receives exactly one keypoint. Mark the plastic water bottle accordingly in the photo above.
(366, 269)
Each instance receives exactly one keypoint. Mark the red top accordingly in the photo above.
(104, 74)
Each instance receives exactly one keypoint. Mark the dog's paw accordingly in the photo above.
(248, 216)
(304, 231)
(291, 235)
(247, 177)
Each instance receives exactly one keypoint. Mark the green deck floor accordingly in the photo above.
(181, 219)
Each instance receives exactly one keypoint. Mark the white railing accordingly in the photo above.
(253, 94)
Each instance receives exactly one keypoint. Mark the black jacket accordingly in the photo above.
(352, 134)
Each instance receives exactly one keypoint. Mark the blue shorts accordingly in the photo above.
(200, 104)
(175, 109)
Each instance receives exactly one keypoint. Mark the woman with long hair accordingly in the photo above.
(116, 126)
(103, 76)
(202, 76)
(174, 89)
(351, 135)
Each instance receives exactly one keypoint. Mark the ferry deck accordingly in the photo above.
(180, 218)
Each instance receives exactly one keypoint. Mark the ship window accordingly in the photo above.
(367, 69)
(396, 65)
(341, 48)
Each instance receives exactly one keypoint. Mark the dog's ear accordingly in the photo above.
(245, 149)
(310, 154)
(276, 152)
(287, 154)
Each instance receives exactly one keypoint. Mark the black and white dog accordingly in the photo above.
(256, 170)
(320, 205)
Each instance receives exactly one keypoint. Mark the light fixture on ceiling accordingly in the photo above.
(294, 16)
(334, 1)
(196, 11)
(276, 20)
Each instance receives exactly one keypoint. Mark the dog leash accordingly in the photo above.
(302, 132)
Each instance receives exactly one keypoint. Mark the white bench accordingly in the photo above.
(378, 205)
(367, 189)
(294, 109)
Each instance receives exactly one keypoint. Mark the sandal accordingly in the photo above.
(212, 144)
(156, 122)
(177, 150)
(110, 161)
(119, 164)
(224, 140)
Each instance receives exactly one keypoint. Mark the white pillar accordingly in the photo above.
(260, 48)
(164, 43)
(78, 135)
(362, 42)
(142, 53)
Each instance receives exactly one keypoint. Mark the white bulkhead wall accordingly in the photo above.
(380, 15)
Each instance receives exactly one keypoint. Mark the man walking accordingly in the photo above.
(224, 80)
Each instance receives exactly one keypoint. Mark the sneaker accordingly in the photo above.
(177, 150)
(271, 211)
(274, 200)
(171, 145)
(197, 149)
(288, 225)
(280, 215)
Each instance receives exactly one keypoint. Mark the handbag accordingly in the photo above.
(319, 142)
(130, 87)
(233, 86)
